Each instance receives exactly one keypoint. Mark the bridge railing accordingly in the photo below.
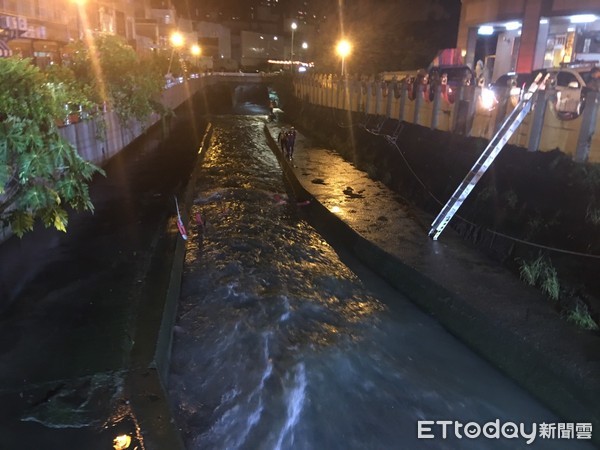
(466, 110)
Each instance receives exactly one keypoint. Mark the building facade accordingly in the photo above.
(215, 40)
(523, 35)
(42, 29)
(36, 29)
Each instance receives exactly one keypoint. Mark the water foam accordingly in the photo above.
(295, 403)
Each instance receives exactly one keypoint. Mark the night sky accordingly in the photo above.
(386, 34)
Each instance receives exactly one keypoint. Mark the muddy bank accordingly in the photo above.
(537, 213)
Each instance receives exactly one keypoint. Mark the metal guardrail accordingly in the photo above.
(462, 110)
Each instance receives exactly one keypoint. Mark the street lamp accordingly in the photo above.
(343, 49)
(176, 41)
(80, 4)
(294, 26)
(304, 56)
(196, 52)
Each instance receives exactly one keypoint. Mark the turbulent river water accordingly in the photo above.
(279, 345)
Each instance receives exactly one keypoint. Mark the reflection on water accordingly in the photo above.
(278, 345)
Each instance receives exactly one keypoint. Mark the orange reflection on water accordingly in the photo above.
(122, 442)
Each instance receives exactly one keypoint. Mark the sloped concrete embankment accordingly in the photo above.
(151, 356)
(571, 393)
(528, 204)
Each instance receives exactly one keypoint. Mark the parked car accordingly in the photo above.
(456, 76)
(569, 82)
(512, 81)
(511, 84)
(571, 86)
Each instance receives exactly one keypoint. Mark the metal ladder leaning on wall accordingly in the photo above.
(487, 157)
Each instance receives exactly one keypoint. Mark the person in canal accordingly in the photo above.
(291, 140)
(272, 116)
(281, 139)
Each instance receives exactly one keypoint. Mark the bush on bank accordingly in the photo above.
(113, 75)
(41, 174)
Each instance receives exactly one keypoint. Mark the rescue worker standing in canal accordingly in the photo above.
(291, 141)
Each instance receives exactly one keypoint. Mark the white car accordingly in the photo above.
(510, 84)
(569, 82)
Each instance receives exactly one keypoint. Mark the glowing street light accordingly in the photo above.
(80, 4)
(294, 26)
(176, 41)
(343, 49)
(196, 50)
(304, 45)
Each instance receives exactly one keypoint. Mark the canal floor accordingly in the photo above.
(483, 304)
(67, 343)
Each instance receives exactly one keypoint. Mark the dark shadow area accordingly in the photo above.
(87, 307)
(72, 302)
(139, 182)
(227, 98)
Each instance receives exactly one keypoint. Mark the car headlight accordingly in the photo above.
(515, 91)
(488, 99)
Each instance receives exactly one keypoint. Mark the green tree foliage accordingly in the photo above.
(166, 62)
(67, 89)
(115, 74)
(41, 174)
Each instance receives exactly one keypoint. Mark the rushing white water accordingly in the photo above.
(280, 346)
(294, 396)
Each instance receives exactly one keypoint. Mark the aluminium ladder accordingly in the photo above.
(507, 129)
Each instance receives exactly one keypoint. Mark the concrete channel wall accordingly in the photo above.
(99, 140)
